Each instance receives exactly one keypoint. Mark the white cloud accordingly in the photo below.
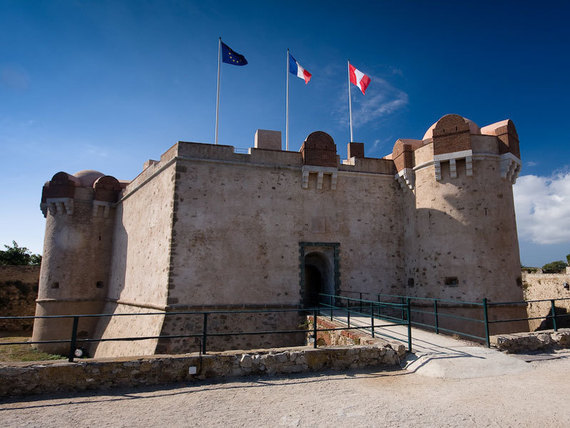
(542, 206)
(381, 99)
(384, 144)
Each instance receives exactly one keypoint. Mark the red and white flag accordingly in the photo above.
(358, 78)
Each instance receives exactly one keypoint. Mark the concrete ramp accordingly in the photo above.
(438, 355)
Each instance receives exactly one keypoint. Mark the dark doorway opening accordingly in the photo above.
(318, 276)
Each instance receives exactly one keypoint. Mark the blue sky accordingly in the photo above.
(106, 85)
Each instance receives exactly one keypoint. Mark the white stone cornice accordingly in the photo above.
(406, 178)
(510, 167)
(321, 171)
(106, 208)
(452, 159)
(59, 206)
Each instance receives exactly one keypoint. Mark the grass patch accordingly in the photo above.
(19, 353)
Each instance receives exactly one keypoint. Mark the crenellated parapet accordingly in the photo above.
(60, 193)
(452, 140)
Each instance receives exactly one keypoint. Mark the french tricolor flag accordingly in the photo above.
(296, 69)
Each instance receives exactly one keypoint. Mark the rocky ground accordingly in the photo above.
(537, 396)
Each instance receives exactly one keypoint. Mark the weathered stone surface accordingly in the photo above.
(524, 342)
(44, 377)
(544, 287)
(18, 293)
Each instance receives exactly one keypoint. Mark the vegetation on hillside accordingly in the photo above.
(16, 255)
(557, 266)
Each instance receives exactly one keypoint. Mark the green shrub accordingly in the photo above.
(554, 267)
(16, 255)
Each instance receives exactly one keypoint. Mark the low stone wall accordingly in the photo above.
(539, 286)
(18, 294)
(58, 376)
(351, 337)
(538, 340)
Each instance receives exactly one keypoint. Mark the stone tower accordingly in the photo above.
(79, 211)
(460, 233)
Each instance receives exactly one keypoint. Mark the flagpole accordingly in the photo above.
(287, 105)
(349, 102)
(218, 90)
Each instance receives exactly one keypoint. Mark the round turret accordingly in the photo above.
(77, 248)
(462, 243)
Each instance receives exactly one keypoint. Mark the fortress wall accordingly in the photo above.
(233, 323)
(238, 229)
(484, 144)
(127, 326)
(540, 286)
(379, 166)
(423, 154)
(273, 157)
(18, 293)
(370, 211)
(140, 266)
(141, 245)
(208, 151)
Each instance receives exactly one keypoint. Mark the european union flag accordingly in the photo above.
(229, 56)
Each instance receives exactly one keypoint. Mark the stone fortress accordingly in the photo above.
(208, 228)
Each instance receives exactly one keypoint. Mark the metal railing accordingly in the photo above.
(341, 308)
(345, 306)
(482, 307)
(203, 335)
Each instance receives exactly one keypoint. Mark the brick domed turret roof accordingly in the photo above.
(473, 127)
(87, 177)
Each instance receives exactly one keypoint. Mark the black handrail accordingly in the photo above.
(74, 341)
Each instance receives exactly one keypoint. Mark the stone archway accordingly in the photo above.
(317, 278)
(319, 269)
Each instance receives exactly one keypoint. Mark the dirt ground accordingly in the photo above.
(536, 397)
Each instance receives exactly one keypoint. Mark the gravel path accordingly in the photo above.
(535, 397)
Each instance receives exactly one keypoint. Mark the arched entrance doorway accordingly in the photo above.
(319, 277)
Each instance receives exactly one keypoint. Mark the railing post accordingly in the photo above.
(360, 294)
(408, 313)
(314, 328)
(436, 317)
(553, 312)
(403, 302)
(331, 305)
(348, 315)
(73, 339)
(486, 319)
(204, 332)
(372, 318)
